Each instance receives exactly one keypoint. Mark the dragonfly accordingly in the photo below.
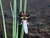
(24, 21)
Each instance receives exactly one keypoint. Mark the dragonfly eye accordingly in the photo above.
(22, 17)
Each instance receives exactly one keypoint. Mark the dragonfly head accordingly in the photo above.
(23, 16)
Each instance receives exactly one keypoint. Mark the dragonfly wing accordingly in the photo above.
(25, 26)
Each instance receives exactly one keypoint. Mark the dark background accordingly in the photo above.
(39, 11)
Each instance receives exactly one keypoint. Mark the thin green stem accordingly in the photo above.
(22, 30)
(20, 5)
(25, 5)
(11, 9)
(4, 25)
(17, 30)
(14, 20)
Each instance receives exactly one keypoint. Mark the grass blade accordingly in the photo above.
(20, 5)
(17, 29)
(14, 20)
(22, 30)
(11, 9)
(25, 5)
(4, 25)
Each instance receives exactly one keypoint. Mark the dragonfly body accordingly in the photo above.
(24, 22)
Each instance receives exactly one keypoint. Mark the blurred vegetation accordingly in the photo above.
(39, 10)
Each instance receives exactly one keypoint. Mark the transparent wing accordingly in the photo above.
(25, 26)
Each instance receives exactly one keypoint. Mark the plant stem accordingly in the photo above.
(14, 20)
(22, 30)
(20, 5)
(25, 5)
(4, 24)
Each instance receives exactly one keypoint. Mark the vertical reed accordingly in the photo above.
(4, 24)
(14, 20)
(22, 30)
